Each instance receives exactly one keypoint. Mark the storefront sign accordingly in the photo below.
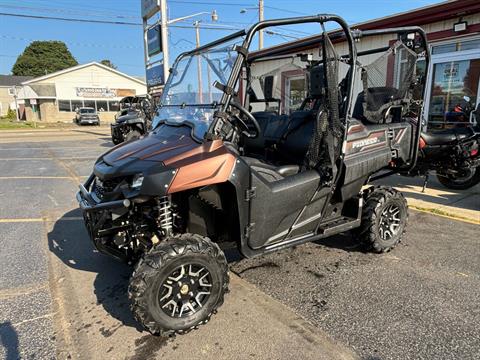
(154, 40)
(90, 92)
(155, 76)
(150, 7)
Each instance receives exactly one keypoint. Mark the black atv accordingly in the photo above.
(212, 172)
(133, 120)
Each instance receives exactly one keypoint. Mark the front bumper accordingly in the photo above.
(88, 121)
(88, 204)
(97, 217)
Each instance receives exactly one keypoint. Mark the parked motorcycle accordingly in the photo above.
(133, 120)
(453, 154)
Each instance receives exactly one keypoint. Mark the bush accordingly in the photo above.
(10, 115)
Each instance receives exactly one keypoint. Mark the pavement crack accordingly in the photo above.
(34, 319)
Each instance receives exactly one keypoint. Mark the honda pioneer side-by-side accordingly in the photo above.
(235, 158)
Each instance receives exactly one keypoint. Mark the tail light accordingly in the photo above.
(421, 143)
(473, 152)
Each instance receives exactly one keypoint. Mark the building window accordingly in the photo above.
(89, 103)
(114, 105)
(296, 92)
(76, 104)
(456, 46)
(64, 105)
(102, 105)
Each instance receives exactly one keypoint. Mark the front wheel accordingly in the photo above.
(465, 180)
(384, 219)
(178, 284)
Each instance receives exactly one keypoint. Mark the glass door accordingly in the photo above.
(453, 89)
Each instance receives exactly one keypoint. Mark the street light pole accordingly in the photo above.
(196, 24)
(260, 18)
(164, 35)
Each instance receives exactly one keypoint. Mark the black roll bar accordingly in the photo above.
(321, 18)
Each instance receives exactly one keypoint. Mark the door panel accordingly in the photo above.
(277, 205)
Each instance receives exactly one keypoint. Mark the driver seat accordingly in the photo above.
(271, 172)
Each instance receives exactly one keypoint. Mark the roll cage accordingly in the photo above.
(343, 34)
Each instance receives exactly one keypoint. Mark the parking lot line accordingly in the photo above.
(34, 177)
(41, 219)
(48, 158)
(46, 148)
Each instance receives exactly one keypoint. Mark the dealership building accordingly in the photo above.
(453, 32)
(56, 96)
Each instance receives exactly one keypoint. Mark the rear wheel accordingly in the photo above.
(466, 179)
(178, 284)
(384, 219)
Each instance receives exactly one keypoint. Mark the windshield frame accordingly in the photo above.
(198, 51)
(243, 52)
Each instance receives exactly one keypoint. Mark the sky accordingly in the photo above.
(123, 44)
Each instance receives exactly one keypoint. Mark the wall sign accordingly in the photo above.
(150, 7)
(155, 75)
(90, 92)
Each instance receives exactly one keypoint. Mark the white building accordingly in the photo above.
(56, 96)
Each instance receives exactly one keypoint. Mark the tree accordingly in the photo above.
(108, 63)
(43, 57)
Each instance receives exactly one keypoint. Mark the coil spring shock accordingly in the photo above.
(165, 216)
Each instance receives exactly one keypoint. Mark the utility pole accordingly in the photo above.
(164, 35)
(260, 18)
(196, 24)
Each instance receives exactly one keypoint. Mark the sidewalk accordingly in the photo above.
(459, 204)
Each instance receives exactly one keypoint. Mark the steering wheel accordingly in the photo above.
(247, 131)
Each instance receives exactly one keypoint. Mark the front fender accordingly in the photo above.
(211, 163)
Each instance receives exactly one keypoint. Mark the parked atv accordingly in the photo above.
(212, 173)
(133, 120)
(453, 154)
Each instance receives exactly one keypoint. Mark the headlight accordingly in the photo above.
(137, 181)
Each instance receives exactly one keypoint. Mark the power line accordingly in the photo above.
(71, 20)
(71, 43)
(65, 11)
(210, 3)
(285, 10)
(208, 27)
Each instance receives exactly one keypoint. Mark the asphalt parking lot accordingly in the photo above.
(59, 299)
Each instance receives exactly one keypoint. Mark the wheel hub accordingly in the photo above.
(185, 291)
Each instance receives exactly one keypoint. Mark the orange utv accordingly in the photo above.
(237, 156)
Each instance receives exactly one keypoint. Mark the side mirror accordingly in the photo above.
(268, 87)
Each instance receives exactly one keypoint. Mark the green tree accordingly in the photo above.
(43, 57)
(108, 63)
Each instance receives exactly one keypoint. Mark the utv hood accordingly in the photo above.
(158, 146)
(170, 150)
